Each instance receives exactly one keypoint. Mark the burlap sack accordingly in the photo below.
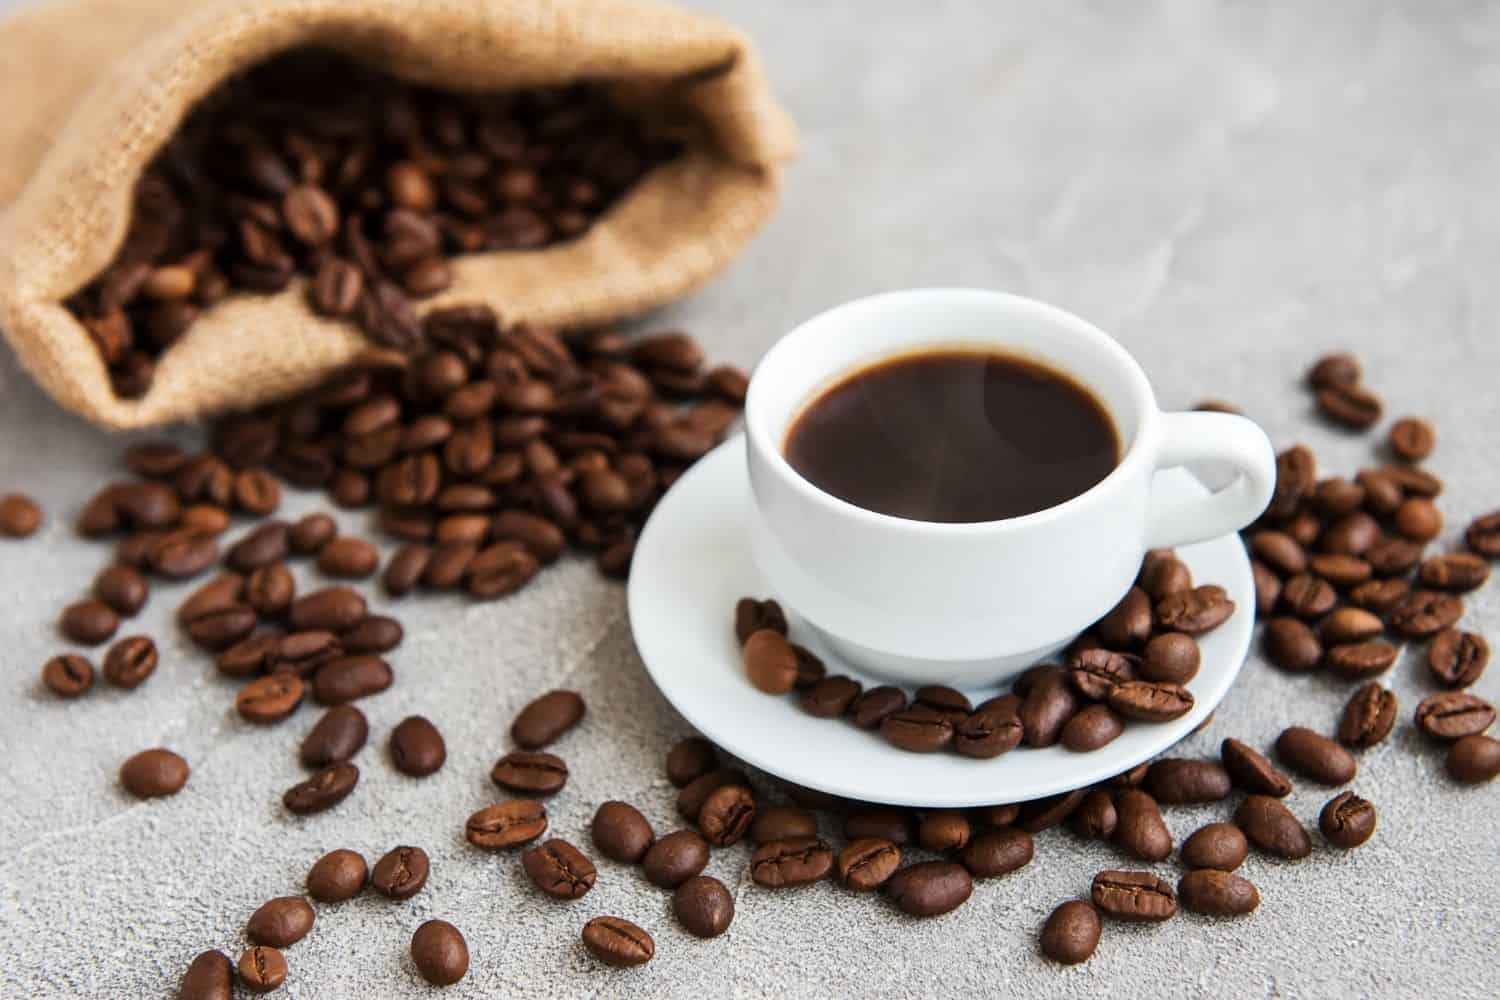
(94, 87)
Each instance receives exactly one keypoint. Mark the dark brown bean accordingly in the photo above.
(618, 942)
(1095, 818)
(210, 976)
(770, 661)
(987, 733)
(1456, 571)
(1252, 771)
(1133, 896)
(692, 796)
(1452, 715)
(751, 615)
(1473, 760)
(1279, 551)
(1368, 717)
(336, 737)
(1315, 756)
(121, 587)
(1418, 519)
(1352, 406)
(1334, 370)
(1093, 727)
(417, 748)
(337, 876)
(1046, 709)
(68, 675)
(867, 863)
(1483, 535)
(324, 790)
(1045, 813)
(1347, 820)
(1359, 660)
(690, 759)
(1195, 611)
(1291, 644)
(621, 833)
(261, 969)
(1094, 673)
(782, 823)
(331, 609)
(506, 824)
(530, 773)
(1181, 782)
(1217, 893)
(726, 815)
(1308, 597)
(1272, 828)
(1456, 659)
(376, 634)
(559, 869)
(270, 699)
(917, 730)
(831, 697)
(153, 774)
(1071, 932)
(1171, 657)
(440, 953)
(400, 873)
(349, 678)
(1151, 701)
(406, 568)
(263, 546)
(1128, 624)
(309, 534)
(930, 888)
(130, 661)
(797, 861)
(280, 922)
(89, 622)
(1424, 613)
(546, 719)
(1218, 845)
(1139, 829)
(674, 859)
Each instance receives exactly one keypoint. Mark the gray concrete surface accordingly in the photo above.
(1230, 187)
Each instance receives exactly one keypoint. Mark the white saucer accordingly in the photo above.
(693, 562)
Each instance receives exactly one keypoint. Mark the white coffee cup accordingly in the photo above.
(971, 604)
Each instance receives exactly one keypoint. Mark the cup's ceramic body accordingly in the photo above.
(971, 604)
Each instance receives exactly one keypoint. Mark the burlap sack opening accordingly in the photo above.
(94, 87)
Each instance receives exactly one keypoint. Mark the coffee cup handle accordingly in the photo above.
(1212, 437)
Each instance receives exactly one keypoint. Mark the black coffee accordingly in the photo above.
(954, 436)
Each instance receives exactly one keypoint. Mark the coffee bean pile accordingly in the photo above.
(366, 186)
(1133, 665)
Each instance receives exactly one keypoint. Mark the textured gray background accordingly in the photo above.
(1230, 187)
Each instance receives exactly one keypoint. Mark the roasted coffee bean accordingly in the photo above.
(1168, 575)
(751, 615)
(1175, 782)
(270, 699)
(876, 705)
(1308, 597)
(1139, 829)
(270, 590)
(1252, 771)
(210, 976)
(1071, 932)
(1483, 535)
(1351, 535)
(1217, 893)
(1359, 660)
(541, 537)
(1131, 778)
(1424, 613)
(690, 759)
(1456, 571)
(1296, 475)
(1032, 676)
(337, 876)
(1379, 596)
(1093, 727)
(205, 518)
(692, 796)
(1133, 896)
(147, 505)
(376, 634)
(350, 678)
(1382, 494)
(1391, 556)
(1267, 588)
(89, 622)
(1315, 756)
(1337, 496)
(1368, 717)
(68, 675)
(152, 774)
(917, 730)
(1412, 439)
(263, 546)
(618, 942)
(1350, 405)
(782, 823)
(1418, 519)
(440, 953)
(1095, 818)
(130, 661)
(1094, 673)
(1333, 370)
(308, 535)
(1474, 759)
(987, 733)
(797, 861)
(1128, 623)
(1170, 657)
(405, 569)
(770, 662)
(894, 825)
(136, 549)
(1046, 709)
(121, 587)
(944, 699)
(530, 773)
(1452, 715)
(621, 833)
(347, 557)
(726, 815)
(506, 824)
(261, 969)
(546, 719)
(303, 653)
(1195, 611)
(930, 888)
(1279, 551)
(1291, 644)
(674, 859)
(417, 748)
(336, 737)
(1221, 846)
(809, 667)
(1347, 820)
(219, 628)
(1043, 814)
(1272, 828)
(324, 790)
(703, 906)
(1151, 701)
(559, 869)
(943, 830)
(1456, 659)
(222, 591)
(1340, 570)
(331, 609)
(280, 922)
(830, 697)
(401, 873)
(500, 569)
(867, 863)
